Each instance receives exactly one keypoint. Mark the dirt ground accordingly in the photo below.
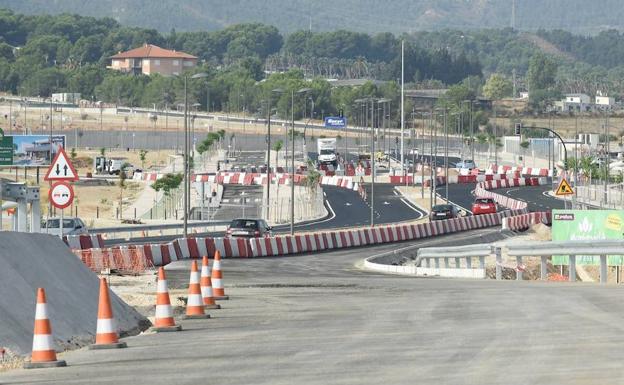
(140, 292)
(96, 202)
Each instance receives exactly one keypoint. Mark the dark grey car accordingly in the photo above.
(440, 212)
(248, 228)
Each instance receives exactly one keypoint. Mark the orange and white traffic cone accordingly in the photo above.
(206, 286)
(217, 278)
(43, 353)
(194, 302)
(106, 336)
(164, 321)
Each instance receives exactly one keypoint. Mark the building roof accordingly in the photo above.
(152, 51)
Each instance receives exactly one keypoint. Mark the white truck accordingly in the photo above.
(327, 151)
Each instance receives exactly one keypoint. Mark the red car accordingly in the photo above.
(483, 206)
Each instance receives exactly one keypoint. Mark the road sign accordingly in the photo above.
(335, 122)
(61, 195)
(564, 188)
(6, 150)
(61, 168)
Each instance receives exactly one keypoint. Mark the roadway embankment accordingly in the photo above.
(29, 261)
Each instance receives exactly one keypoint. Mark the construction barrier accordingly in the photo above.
(127, 259)
(528, 171)
(524, 221)
(142, 257)
(83, 242)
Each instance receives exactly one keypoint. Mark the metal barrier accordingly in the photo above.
(160, 227)
(543, 250)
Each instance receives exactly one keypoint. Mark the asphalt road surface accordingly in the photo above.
(534, 196)
(319, 319)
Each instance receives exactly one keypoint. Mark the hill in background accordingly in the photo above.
(580, 16)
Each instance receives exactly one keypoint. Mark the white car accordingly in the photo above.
(466, 163)
(71, 226)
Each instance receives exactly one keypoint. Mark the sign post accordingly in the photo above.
(564, 188)
(61, 194)
(6, 149)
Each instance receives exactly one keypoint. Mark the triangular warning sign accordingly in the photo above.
(564, 188)
(61, 168)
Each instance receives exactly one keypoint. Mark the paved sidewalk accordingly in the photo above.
(148, 197)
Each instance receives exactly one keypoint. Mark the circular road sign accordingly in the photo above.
(61, 195)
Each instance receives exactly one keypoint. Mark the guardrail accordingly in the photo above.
(158, 227)
(543, 250)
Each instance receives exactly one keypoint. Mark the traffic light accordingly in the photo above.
(517, 128)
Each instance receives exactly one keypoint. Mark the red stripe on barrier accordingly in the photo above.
(164, 251)
(280, 247)
(289, 244)
(147, 251)
(227, 247)
(193, 249)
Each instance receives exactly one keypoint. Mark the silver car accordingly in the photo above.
(71, 226)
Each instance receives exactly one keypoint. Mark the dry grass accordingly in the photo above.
(11, 361)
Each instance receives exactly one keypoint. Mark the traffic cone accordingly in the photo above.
(106, 336)
(217, 278)
(206, 286)
(43, 353)
(164, 314)
(195, 303)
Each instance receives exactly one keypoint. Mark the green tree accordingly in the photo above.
(497, 87)
(122, 185)
(277, 147)
(542, 72)
(142, 157)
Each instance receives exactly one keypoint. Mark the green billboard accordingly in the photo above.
(576, 225)
(6, 150)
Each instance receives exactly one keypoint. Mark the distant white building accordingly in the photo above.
(604, 102)
(524, 94)
(66, 97)
(574, 103)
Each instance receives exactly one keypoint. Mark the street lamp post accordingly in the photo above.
(268, 170)
(292, 163)
(187, 171)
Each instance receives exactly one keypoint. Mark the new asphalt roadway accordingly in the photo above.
(320, 319)
(535, 196)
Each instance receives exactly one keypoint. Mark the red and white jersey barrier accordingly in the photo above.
(524, 221)
(525, 171)
(185, 248)
(482, 191)
(84, 242)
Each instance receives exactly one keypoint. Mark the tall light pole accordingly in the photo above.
(292, 163)
(268, 170)
(186, 165)
(187, 170)
(372, 126)
(446, 184)
(402, 102)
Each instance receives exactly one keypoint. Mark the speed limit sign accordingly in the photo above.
(61, 195)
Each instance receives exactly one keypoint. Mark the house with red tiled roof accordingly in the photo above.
(150, 59)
